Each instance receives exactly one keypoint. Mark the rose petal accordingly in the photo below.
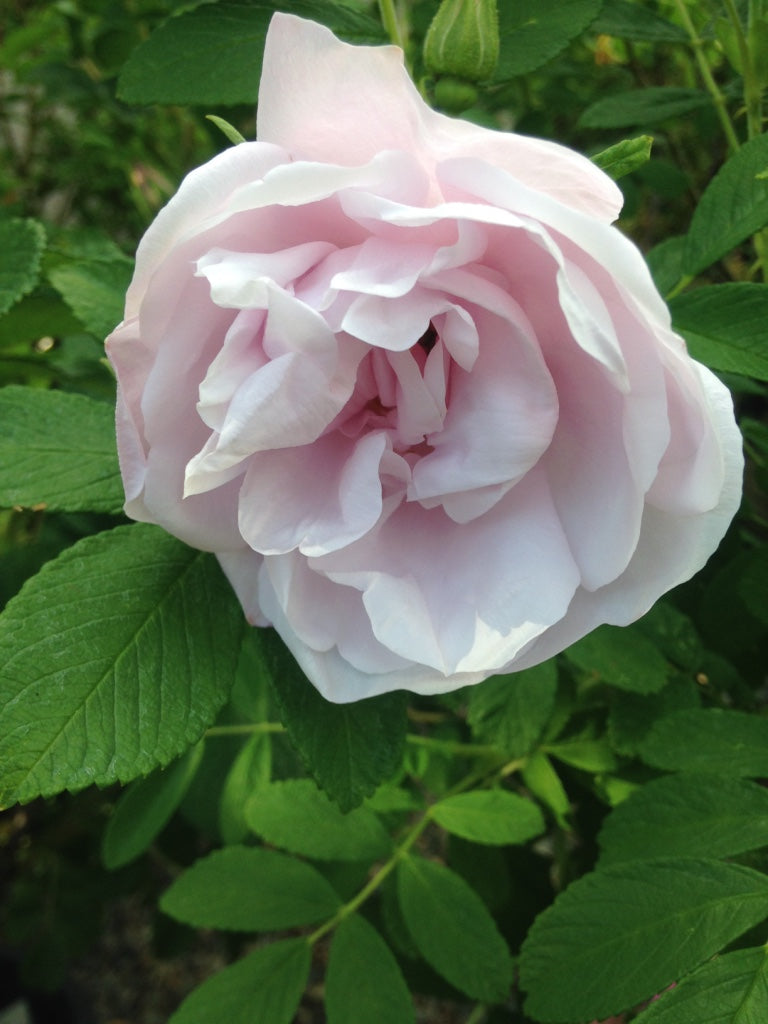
(321, 496)
(428, 591)
(305, 71)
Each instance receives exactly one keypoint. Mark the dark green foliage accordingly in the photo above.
(368, 735)
(579, 837)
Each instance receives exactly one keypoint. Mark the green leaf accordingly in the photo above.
(585, 754)
(248, 889)
(251, 771)
(265, 987)
(682, 815)
(227, 129)
(631, 715)
(726, 326)
(58, 450)
(43, 314)
(709, 740)
(348, 748)
(731, 989)
(532, 32)
(637, 23)
(21, 247)
(665, 262)
(733, 207)
(115, 658)
(624, 933)
(299, 817)
(94, 290)
(391, 800)
(145, 808)
(510, 711)
(753, 585)
(621, 656)
(212, 54)
(643, 107)
(363, 981)
(544, 782)
(624, 157)
(453, 930)
(673, 633)
(493, 816)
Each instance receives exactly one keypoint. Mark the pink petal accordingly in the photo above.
(321, 496)
(429, 593)
(305, 71)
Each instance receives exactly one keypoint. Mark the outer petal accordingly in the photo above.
(307, 69)
(671, 548)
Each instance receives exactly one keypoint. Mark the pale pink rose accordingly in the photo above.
(402, 376)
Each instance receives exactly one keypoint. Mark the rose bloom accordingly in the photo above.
(405, 380)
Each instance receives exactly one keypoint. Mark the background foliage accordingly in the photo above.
(560, 845)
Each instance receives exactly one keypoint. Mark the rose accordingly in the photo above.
(402, 376)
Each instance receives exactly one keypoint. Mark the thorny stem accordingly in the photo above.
(391, 22)
(375, 881)
(405, 844)
(446, 746)
(752, 90)
(753, 100)
(244, 730)
(452, 746)
(712, 87)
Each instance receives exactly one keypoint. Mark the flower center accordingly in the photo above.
(428, 340)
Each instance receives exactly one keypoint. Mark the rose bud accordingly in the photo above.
(463, 40)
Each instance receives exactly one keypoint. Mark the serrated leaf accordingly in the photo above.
(58, 450)
(624, 933)
(532, 32)
(363, 981)
(249, 889)
(643, 107)
(348, 748)
(624, 157)
(299, 817)
(631, 715)
(145, 808)
(453, 930)
(637, 23)
(21, 246)
(94, 290)
(493, 816)
(212, 55)
(731, 989)
(726, 326)
(683, 815)
(621, 656)
(115, 658)
(709, 740)
(511, 711)
(265, 987)
(251, 770)
(733, 207)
